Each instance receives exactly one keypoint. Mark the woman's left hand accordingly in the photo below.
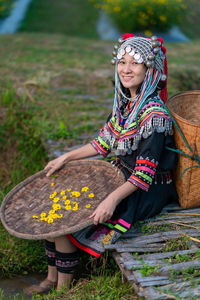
(104, 211)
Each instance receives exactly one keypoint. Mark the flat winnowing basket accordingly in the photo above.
(185, 108)
(65, 200)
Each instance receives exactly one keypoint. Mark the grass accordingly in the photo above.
(58, 17)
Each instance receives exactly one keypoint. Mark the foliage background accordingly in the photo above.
(143, 15)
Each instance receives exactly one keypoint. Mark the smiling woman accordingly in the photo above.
(138, 131)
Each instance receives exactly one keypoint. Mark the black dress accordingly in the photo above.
(148, 167)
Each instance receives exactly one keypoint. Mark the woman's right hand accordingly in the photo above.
(55, 164)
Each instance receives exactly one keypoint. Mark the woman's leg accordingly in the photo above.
(67, 258)
(52, 275)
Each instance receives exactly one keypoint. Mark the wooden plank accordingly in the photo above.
(179, 267)
(155, 283)
(160, 236)
(167, 254)
(135, 264)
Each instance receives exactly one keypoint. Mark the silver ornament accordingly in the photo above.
(149, 63)
(155, 43)
(119, 56)
(137, 56)
(140, 60)
(113, 61)
(145, 135)
(122, 52)
(150, 57)
(161, 129)
(132, 52)
(116, 47)
(120, 41)
(156, 50)
(114, 53)
(128, 49)
(154, 38)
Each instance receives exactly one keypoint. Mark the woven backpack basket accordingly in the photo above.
(185, 109)
(43, 207)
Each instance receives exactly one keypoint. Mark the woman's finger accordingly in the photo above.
(52, 170)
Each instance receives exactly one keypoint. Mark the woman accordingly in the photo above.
(138, 130)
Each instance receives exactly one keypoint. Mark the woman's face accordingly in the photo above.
(131, 73)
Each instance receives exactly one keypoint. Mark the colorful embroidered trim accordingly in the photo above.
(125, 138)
(120, 225)
(82, 247)
(143, 173)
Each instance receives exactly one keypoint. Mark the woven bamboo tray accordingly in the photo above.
(36, 195)
(185, 108)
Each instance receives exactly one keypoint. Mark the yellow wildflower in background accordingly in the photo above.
(91, 195)
(85, 189)
(43, 214)
(75, 206)
(68, 207)
(67, 202)
(88, 206)
(69, 190)
(35, 217)
(64, 197)
(53, 183)
(163, 18)
(62, 192)
(55, 200)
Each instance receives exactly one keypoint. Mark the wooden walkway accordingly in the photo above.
(161, 256)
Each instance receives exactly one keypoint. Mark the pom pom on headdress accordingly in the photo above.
(127, 36)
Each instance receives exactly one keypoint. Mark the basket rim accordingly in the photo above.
(196, 92)
(36, 175)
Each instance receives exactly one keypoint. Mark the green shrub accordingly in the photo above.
(143, 15)
(5, 6)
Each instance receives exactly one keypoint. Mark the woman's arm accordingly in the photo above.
(106, 208)
(82, 152)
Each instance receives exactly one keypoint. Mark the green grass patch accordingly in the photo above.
(74, 18)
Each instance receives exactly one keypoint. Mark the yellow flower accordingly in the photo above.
(55, 216)
(53, 183)
(56, 206)
(55, 200)
(42, 219)
(116, 9)
(62, 192)
(68, 207)
(75, 206)
(69, 190)
(55, 193)
(35, 217)
(76, 194)
(43, 214)
(67, 202)
(91, 195)
(88, 206)
(52, 211)
(163, 19)
(64, 197)
(148, 33)
(51, 196)
(85, 189)
(60, 216)
(50, 221)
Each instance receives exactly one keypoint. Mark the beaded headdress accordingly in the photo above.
(152, 53)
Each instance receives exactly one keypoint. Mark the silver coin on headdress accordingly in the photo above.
(119, 56)
(128, 49)
(137, 56)
(121, 51)
(132, 52)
